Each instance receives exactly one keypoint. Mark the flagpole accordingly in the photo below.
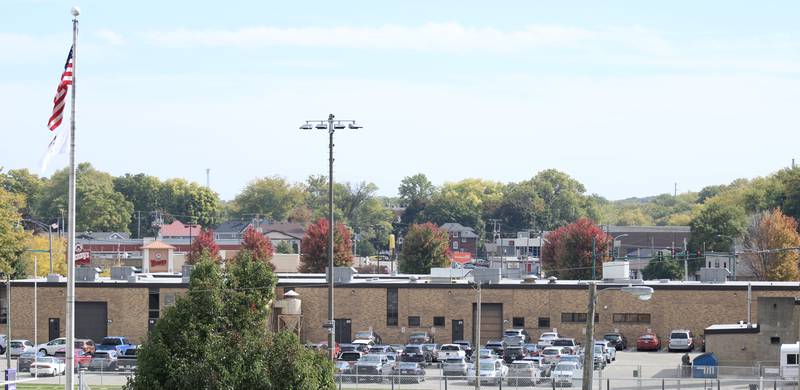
(70, 350)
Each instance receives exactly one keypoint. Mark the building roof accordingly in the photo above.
(455, 227)
(292, 229)
(103, 236)
(178, 229)
(158, 245)
(232, 226)
(612, 229)
(732, 328)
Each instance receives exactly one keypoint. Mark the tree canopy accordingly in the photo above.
(314, 252)
(771, 231)
(424, 246)
(568, 253)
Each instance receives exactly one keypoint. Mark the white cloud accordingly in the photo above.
(110, 37)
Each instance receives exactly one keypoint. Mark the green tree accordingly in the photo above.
(284, 247)
(216, 337)
(467, 202)
(190, 202)
(713, 227)
(29, 185)
(314, 253)
(416, 187)
(663, 267)
(424, 246)
(203, 246)
(272, 197)
(519, 207)
(144, 192)
(563, 197)
(99, 207)
(12, 238)
(567, 252)
(790, 180)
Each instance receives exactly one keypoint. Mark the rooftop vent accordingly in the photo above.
(86, 274)
(530, 279)
(343, 274)
(121, 273)
(714, 275)
(552, 280)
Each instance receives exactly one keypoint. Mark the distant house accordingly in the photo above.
(290, 232)
(102, 236)
(178, 230)
(462, 238)
(639, 244)
(231, 230)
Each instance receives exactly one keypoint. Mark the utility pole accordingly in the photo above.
(497, 242)
(685, 262)
(594, 258)
(139, 224)
(588, 353)
(478, 339)
(208, 178)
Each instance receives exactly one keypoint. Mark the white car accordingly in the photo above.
(492, 371)
(564, 373)
(52, 346)
(608, 351)
(450, 351)
(368, 343)
(48, 366)
(18, 347)
(547, 338)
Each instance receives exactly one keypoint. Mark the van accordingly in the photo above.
(681, 340)
(789, 357)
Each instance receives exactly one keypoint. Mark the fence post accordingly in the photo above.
(608, 384)
(663, 385)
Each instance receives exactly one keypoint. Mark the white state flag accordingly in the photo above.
(57, 145)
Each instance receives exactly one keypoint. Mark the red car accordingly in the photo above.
(324, 346)
(81, 358)
(648, 342)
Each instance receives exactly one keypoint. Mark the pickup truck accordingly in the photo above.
(115, 343)
(450, 351)
(127, 360)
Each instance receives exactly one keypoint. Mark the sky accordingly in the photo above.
(627, 97)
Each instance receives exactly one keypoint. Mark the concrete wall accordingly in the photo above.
(286, 262)
(777, 320)
(738, 350)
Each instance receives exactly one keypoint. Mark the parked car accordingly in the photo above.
(420, 338)
(516, 336)
(617, 340)
(127, 360)
(456, 366)
(544, 369)
(448, 351)
(485, 353)
(342, 371)
(351, 357)
(18, 347)
(523, 372)
(681, 340)
(103, 360)
(648, 342)
(365, 344)
(25, 360)
(466, 346)
(532, 349)
(564, 373)
(598, 358)
(372, 368)
(497, 346)
(573, 358)
(408, 372)
(431, 352)
(413, 353)
(547, 338)
(348, 348)
(368, 335)
(47, 366)
(51, 346)
(492, 371)
(82, 358)
(570, 344)
(512, 353)
(608, 350)
(381, 349)
(87, 345)
(115, 343)
(552, 355)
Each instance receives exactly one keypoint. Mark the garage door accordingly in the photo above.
(91, 320)
(491, 321)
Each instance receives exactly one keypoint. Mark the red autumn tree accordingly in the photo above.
(567, 252)
(314, 251)
(259, 245)
(203, 242)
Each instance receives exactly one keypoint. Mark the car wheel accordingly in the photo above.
(44, 351)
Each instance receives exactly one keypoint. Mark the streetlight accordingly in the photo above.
(733, 254)
(644, 293)
(49, 236)
(331, 127)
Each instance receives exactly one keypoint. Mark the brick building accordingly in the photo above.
(395, 306)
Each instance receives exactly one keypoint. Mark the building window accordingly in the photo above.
(577, 317)
(774, 340)
(518, 322)
(791, 359)
(535, 251)
(544, 322)
(413, 320)
(391, 307)
(153, 305)
(438, 321)
(631, 318)
(455, 245)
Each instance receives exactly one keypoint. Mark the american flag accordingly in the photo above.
(61, 94)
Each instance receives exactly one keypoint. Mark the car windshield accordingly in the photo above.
(350, 356)
(411, 349)
(646, 337)
(511, 333)
(487, 366)
(678, 335)
(569, 358)
(101, 354)
(16, 344)
(598, 350)
(521, 366)
(348, 347)
(551, 352)
(428, 347)
(112, 341)
(455, 360)
(363, 335)
(408, 366)
(46, 360)
(513, 350)
(414, 335)
(565, 367)
(612, 337)
(376, 349)
(548, 336)
(450, 348)
(563, 343)
(371, 358)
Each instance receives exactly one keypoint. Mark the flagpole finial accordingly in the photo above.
(75, 11)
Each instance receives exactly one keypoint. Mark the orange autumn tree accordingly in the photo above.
(770, 231)
(314, 251)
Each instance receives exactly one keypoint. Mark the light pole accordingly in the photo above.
(644, 293)
(733, 254)
(49, 236)
(331, 127)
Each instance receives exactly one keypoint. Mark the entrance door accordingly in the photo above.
(491, 322)
(53, 328)
(91, 320)
(458, 330)
(344, 331)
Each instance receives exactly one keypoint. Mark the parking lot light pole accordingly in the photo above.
(331, 127)
(644, 293)
(478, 340)
(49, 236)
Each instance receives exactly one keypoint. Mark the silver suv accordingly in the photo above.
(681, 340)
